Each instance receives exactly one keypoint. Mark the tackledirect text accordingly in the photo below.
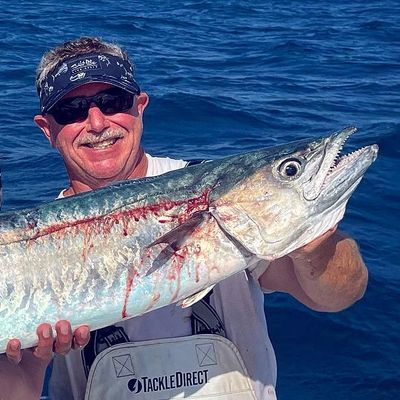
(177, 380)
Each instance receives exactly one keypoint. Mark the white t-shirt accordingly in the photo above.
(238, 301)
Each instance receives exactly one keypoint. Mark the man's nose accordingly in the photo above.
(96, 120)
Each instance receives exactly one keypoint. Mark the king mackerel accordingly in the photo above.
(129, 248)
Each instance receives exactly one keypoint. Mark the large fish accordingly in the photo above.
(138, 245)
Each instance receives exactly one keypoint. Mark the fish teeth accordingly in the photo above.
(338, 158)
(341, 160)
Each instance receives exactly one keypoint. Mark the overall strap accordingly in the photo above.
(205, 319)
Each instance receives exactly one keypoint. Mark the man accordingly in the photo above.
(91, 112)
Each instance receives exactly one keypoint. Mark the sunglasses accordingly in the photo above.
(76, 109)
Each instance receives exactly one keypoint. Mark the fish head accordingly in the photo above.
(289, 195)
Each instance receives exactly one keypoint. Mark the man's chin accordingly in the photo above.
(104, 178)
(101, 174)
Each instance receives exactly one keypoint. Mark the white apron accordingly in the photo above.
(192, 367)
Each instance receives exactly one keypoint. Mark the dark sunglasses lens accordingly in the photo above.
(76, 109)
(114, 101)
(69, 111)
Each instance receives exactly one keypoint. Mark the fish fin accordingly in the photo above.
(164, 248)
(194, 298)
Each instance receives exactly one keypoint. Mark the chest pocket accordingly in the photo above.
(202, 367)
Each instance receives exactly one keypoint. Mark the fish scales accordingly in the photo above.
(126, 249)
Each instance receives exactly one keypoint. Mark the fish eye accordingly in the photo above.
(290, 168)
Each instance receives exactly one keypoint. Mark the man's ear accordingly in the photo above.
(43, 123)
(141, 102)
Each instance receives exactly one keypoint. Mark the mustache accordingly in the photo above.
(107, 134)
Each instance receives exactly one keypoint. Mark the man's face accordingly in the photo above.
(102, 148)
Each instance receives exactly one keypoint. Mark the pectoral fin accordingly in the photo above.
(160, 252)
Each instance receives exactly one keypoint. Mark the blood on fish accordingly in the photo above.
(127, 293)
(175, 272)
(128, 290)
(197, 253)
(155, 298)
(104, 224)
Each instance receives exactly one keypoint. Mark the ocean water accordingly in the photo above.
(229, 76)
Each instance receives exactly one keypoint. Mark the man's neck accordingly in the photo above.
(78, 186)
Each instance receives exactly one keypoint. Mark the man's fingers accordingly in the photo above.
(13, 351)
(81, 337)
(44, 349)
(62, 344)
(64, 337)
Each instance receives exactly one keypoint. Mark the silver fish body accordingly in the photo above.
(129, 248)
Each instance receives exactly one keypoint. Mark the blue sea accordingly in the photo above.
(230, 76)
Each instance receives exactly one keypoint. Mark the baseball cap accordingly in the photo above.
(83, 69)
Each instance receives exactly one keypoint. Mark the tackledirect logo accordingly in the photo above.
(177, 380)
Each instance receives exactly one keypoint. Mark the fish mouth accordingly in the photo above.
(336, 171)
(342, 161)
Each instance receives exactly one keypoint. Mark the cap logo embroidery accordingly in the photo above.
(77, 77)
(84, 65)
(62, 70)
(105, 59)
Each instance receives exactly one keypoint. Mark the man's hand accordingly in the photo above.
(328, 274)
(22, 371)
